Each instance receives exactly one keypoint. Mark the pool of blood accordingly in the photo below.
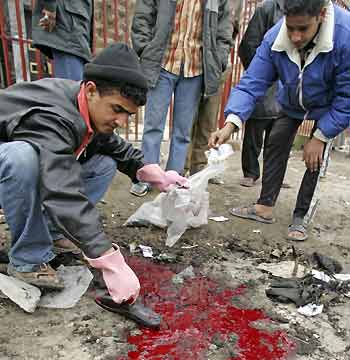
(196, 314)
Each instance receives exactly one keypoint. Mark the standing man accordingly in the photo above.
(62, 30)
(309, 52)
(59, 153)
(266, 15)
(183, 47)
(206, 120)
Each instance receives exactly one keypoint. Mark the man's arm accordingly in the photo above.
(256, 30)
(224, 32)
(143, 23)
(62, 190)
(253, 85)
(128, 158)
(335, 120)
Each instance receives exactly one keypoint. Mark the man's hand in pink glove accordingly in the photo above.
(159, 178)
(122, 283)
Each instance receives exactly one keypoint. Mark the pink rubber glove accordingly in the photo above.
(159, 178)
(122, 283)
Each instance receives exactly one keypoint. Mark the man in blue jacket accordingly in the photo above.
(308, 51)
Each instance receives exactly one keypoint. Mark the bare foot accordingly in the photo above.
(264, 211)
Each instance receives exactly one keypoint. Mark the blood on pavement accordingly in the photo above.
(196, 314)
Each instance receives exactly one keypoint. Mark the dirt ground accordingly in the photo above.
(227, 253)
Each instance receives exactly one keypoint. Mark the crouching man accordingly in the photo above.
(58, 155)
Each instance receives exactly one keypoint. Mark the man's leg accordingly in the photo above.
(252, 144)
(67, 66)
(204, 124)
(31, 247)
(98, 173)
(305, 195)
(156, 109)
(276, 156)
(186, 99)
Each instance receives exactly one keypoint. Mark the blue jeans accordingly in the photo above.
(187, 92)
(20, 200)
(67, 66)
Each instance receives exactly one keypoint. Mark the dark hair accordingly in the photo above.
(303, 7)
(131, 92)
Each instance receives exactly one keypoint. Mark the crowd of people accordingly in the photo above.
(59, 151)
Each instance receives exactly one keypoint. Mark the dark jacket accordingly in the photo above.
(153, 24)
(45, 114)
(266, 15)
(73, 31)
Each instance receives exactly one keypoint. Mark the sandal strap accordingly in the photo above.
(297, 227)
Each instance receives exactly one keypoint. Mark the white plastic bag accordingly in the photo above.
(180, 209)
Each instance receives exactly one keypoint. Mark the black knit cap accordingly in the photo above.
(117, 62)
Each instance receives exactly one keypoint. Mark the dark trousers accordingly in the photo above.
(252, 144)
(276, 154)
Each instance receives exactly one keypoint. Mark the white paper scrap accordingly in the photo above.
(310, 309)
(147, 251)
(342, 277)
(218, 218)
(320, 275)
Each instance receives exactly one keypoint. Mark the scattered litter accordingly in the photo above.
(310, 309)
(256, 231)
(180, 209)
(320, 275)
(147, 251)
(166, 257)
(326, 263)
(112, 215)
(76, 281)
(218, 218)
(132, 247)
(103, 201)
(187, 273)
(342, 277)
(311, 292)
(282, 269)
(276, 253)
(187, 247)
(131, 204)
(24, 295)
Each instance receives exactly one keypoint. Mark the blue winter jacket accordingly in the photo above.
(320, 91)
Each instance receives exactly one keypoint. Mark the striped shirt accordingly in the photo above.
(185, 44)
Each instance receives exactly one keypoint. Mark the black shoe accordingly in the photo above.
(137, 312)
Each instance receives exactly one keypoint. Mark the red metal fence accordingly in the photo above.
(19, 61)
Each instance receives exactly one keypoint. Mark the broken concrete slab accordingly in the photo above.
(24, 295)
(284, 269)
(76, 280)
